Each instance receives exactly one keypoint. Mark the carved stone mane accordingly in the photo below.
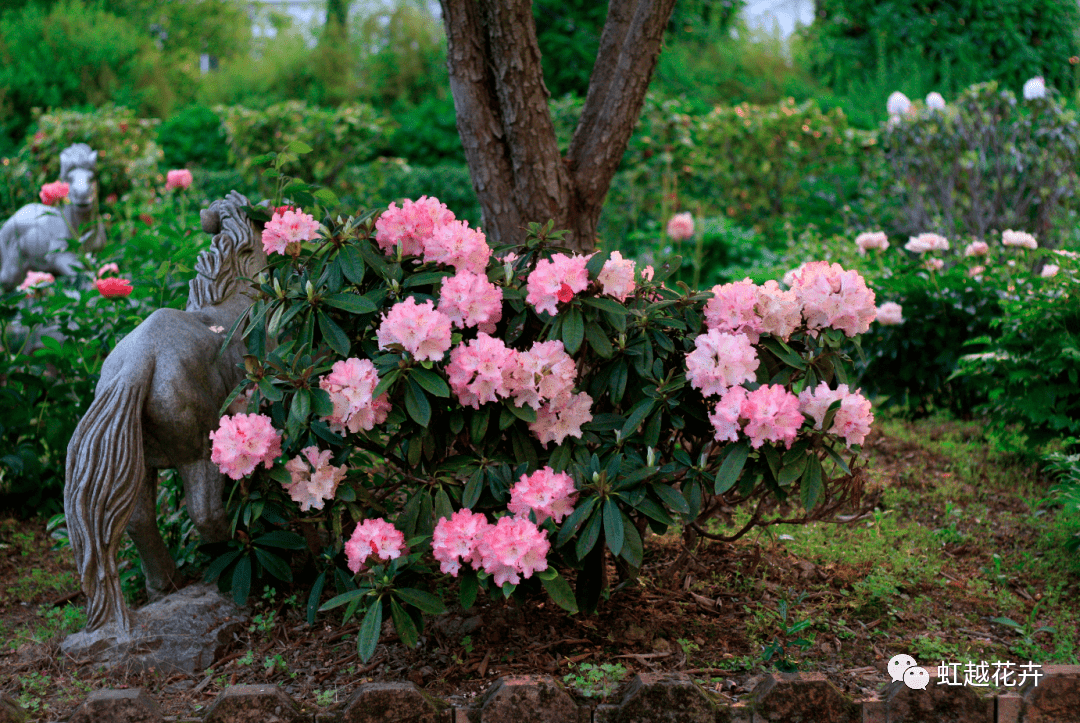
(220, 268)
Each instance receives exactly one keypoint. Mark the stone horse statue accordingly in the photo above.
(154, 407)
(36, 237)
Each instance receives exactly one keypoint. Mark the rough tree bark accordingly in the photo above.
(505, 126)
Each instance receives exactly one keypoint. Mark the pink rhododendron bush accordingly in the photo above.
(423, 409)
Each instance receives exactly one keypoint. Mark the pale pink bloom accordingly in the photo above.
(833, 297)
(890, 314)
(1019, 238)
(680, 226)
(217, 329)
(719, 361)
(778, 311)
(36, 280)
(1035, 88)
(546, 492)
(617, 277)
(562, 417)
(1049, 270)
(411, 226)
(897, 104)
(314, 479)
(457, 245)
(976, 270)
(288, 227)
(107, 268)
(242, 442)
(470, 300)
(513, 548)
(927, 242)
(932, 264)
(1067, 254)
(935, 101)
(647, 273)
(350, 385)
(456, 538)
(977, 248)
(871, 240)
(815, 402)
(773, 415)
(556, 280)
(53, 192)
(419, 329)
(543, 372)
(851, 421)
(789, 277)
(178, 179)
(732, 309)
(480, 371)
(373, 537)
(725, 416)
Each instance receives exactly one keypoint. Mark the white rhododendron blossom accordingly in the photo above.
(897, 104)
(1020, 239)
(890, 314)
(871, 240)
(1035, 88)
(934, 101)
(927, 242)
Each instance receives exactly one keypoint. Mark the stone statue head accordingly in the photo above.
(77, 166)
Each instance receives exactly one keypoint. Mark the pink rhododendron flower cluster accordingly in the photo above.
(617, 277)
(778, 310)
(471, 300)
(770, 413)
(743, 307)
(350, 385)
(932, 264)
(36, 280)
(562, 417)
(480, 371)
(1019, 238)
(53, 192)
(871, 240)
(285, 231)
(178, 179)
(457, 245)
(411, 226)
(1049, 270)
(719, 361)
(314, 479)
(927, 242)
(242, 442)
(544, 372)
(420, 329)
(375, 537)
(456, 538)
(975, 271)
(556, 280)
(546, 492)
(680, 226)
(890, 314)
(832, 297)
(513, 548)
(852, 420)
(977, 248)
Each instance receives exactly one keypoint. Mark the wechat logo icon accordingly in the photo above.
(903, 667)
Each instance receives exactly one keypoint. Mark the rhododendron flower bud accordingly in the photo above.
(107, 268)
(934, 101)
(1049, 270)
(927, 242)
(481, 370)
(1019, 238)
(470, 300)
(543, 372)
(373, 537)
(833, 297)
(178, 179)
(242, 442)
(562, 417)
(561, 274)
(350, 384)
(871, 240)
(285, 231)
(411, 226)
(773, 415)
(725, 416)
(314, 479)
(420, 329)
(680, 226)
(977, 248)
(53, 192)
(456, 538)
(35, 280)
(546, 492)
(617, 277)
(457, 245)
(112, 287)
(513, 548)
(890, 314)
(1035, 88)
(897, 104)
(719, 361)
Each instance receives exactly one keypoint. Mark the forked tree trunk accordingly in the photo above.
(505, 126)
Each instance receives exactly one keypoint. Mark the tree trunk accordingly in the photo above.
(505, 126)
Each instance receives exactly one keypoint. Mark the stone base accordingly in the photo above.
(182, 632)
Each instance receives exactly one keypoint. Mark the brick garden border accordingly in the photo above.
(649, 697)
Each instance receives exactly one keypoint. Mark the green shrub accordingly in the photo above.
(426, 134)
(376, 184)
(194, 138)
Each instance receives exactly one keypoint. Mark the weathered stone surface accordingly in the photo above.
(253, 704)
(803, 698)
(10, 712)
(399, 702)
(132, 705)
(1056, 697)
(667, 698)
(530, 699)
(1008, 708)
(186, 631)
(938, 703)
(874, 711)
